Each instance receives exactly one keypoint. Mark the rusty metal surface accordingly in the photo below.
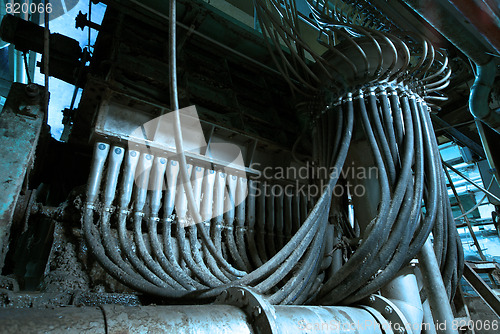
(484, 291)
(20, 124)
(183, 319)
(70, 320)
(176, 319)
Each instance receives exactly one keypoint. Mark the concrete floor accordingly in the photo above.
(482, 315)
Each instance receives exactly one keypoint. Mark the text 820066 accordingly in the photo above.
(26, 7)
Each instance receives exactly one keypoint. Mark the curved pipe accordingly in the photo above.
(479, 94)
(404, 293)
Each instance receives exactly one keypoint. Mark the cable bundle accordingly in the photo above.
(397, 126)
(356, 53)
(400, 75)
(149, 262)
(167, 243)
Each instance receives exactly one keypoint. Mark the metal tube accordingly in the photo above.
(180, 279)
(261, 221)
(229, 215)
(220, 183)
(479, 96)
(403, 292)
(110, 243)
(436, 292)
(206, 209)
(270, 224)
(100, 154)
(241, 193)
(279, 220)
(459, 202)
(251, 215)
(471, 182)
(197, 177)
(143, 172)
(131, 161)
(181, 207)
(180, 319)
(428, 319)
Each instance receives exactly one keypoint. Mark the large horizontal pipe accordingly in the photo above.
(186, 319)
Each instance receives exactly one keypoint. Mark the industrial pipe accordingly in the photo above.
(436, 292)
(186, 319)
(479, 96)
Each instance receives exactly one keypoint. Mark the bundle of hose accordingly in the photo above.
(409, 171)
(152, 264)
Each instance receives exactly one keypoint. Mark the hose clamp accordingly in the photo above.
(348, 98)
(360, 95)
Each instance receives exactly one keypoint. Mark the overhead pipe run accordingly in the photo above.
(455, 31)
(479, 96)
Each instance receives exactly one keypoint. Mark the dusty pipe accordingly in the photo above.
(270, 223)
(261, 221)
(279, 220)
(100, 155)
(110, 244)
(181, 207)
(404, 293)
(206, 209)
(127, 185)
(143, 172)
(479, 96)
(251, 216)
(157, 184)
(186, 319)
(436, 292)
(218, 210)
(197, 181)
(229, 217)
(241, 193)
(428, 319)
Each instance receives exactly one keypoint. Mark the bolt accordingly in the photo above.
(223, 296)
(242, 296)
(388, 309)
(257, 311)
(32, 90)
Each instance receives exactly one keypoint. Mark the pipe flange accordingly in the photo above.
(254, 305)
(384, 324)
(398, 322)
